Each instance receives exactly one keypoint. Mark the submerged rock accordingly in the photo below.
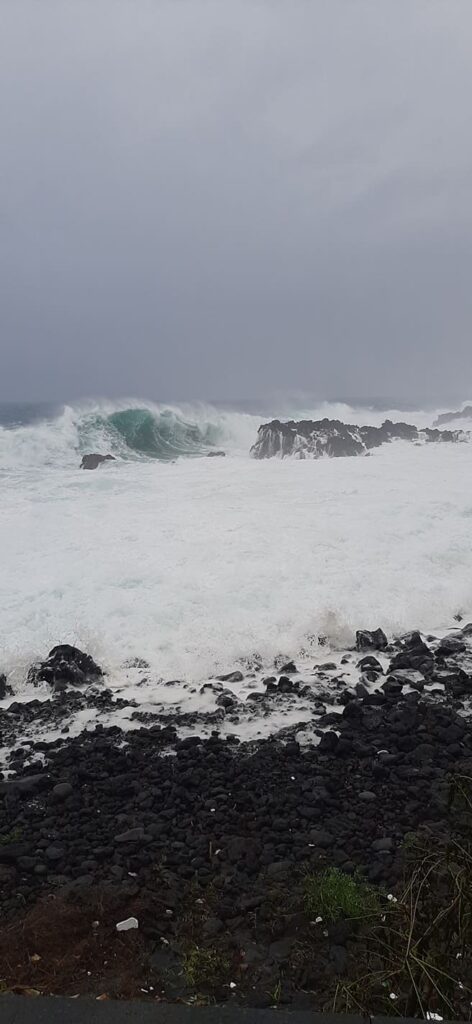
(93, 460)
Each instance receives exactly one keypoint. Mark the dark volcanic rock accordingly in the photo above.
(65, 665)
(369, 663)
(110, 812)
(231, 677)
(317, 438)
(414, 654)
(366, 638)
(450, 645)
(94, 460)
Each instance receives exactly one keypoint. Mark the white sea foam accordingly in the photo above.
(195, 564)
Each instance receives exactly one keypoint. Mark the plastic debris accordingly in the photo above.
(125, 926)
(433, 1016)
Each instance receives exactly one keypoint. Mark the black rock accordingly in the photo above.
(383, 845)
(63, 790)
(288, 669)
(329, 741)
(369, 663)
(94, 460)
(361, 690)
(11, 852)
(231, 677)
(133, 835)
(392, 687)
(27, 784)
(54, 853)
(66, 664)
(366, 638)
(450, 645)
(318, 438)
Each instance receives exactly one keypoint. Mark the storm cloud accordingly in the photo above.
(227, 198)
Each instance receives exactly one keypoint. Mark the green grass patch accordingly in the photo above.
(11, 837)
(205, 967)
(332, 895)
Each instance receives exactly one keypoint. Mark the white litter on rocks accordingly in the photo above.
(125, 926)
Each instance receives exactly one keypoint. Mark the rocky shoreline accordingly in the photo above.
(209, 841)
(316, 439)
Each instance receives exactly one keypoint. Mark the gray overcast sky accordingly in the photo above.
(221, 198)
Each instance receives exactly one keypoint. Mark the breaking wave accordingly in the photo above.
(140, 430)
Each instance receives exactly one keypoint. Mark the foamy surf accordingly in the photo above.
(197, 563)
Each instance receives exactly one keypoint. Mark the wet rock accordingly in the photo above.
(450, 645)
(392, 687)
(65, 664)
(133, 835)
(11, 852)
(54, 853)
(369, 663)
(94, 460)
(285, 685)
(383, 845)
(231, 677)
(63, 790)
(26, 785)
(226, 701)
(366, 638)
(288, 669)
(320, 438)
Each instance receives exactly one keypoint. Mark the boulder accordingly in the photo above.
(93, 460)
(216, 455)
(65, 665)
(315, 439)
(366, 638)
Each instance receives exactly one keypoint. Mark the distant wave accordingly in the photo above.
(158, 435)
(141, 430)
(131, 431)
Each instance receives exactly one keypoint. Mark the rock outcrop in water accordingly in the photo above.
(94, 460)
(317, 438)
(449, 417)
(65, 665)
